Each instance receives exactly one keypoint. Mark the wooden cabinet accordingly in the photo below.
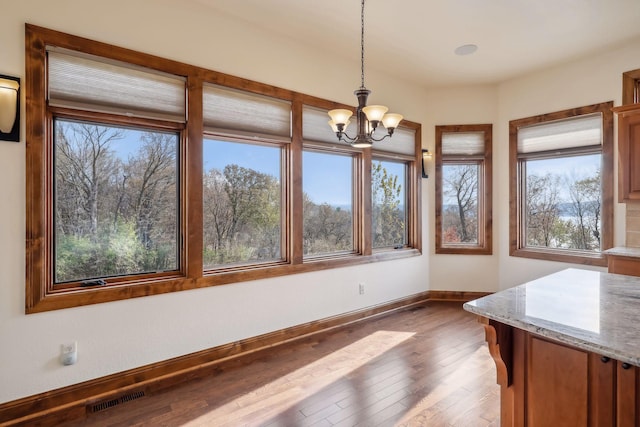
(623, 260)
(545, 383)
(628, 152)
(556, 385)
(627, 395)
(623, 265)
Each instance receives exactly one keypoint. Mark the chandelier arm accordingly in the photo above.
(342, 136)
(378, 140)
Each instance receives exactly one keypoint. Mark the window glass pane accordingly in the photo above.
(327, 185)
(115, 201)
(389, 213)
(460, 203)
(563, 202)
(241, 203)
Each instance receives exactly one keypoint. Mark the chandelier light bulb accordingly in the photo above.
(340, 116)
(391, 120)
(334, 126)
(375, 113)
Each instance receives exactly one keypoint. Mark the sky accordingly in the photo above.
(326, 177)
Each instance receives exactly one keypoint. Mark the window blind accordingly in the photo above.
(402, 142)
(235, 112)
(87, 82)
(581, 131)
(315, 127)
(462, 143)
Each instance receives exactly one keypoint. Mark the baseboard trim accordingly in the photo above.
(71, 402)
(462, 296)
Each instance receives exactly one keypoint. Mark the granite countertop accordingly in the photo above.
(623, 251)
(594, 311)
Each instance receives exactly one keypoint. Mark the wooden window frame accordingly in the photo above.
(284, 202)
(631, 87)
(42, 296)
(409, 225)
(356, 184)
(485, 198)
(517, 240)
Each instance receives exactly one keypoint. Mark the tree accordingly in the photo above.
(388, 222)
(150, 183)
(84, 164)
(326, 228)
(217, 211)
(241, 214)
(542, 213)
(113, 215)
(586, 209)
(460, 184)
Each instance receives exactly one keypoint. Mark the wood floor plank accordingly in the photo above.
(423, 366)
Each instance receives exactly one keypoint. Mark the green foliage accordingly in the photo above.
(242, 216)
(571, 221)
(327, 229)
(388, 220)
(115, 252)
(113, 216)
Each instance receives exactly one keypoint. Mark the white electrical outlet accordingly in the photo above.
(69, 353)
(361, 288)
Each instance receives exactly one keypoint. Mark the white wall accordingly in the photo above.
(588, 81)
(584, 82)
(460, 106)
(122, 335)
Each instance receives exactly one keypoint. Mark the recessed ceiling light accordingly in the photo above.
(466, 49)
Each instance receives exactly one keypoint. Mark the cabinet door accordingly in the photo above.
(602, 388)
(557, 385)
(628, 396)
(629, 156)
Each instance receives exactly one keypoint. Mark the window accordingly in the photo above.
(463, 189)
(327, 185)
(242, 212)
(115, 201)
(561, 185)
(244, 140)
(329, 182)
(392, 189)
(147, 176)
(389, 204)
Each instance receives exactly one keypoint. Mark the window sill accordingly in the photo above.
(463, 250)
(575, 257)
(56, 300)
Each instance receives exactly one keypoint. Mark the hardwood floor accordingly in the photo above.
(424, 366)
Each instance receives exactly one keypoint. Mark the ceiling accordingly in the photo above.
(415, 39)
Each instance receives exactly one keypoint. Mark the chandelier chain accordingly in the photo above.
(362, 46)
(368, 117)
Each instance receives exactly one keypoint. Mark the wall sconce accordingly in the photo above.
(426, 155)
(9, 108)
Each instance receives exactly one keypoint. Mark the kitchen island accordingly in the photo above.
(567, 349)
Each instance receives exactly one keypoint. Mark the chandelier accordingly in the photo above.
(368, 117)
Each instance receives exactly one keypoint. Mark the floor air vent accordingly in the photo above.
(101, 406)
